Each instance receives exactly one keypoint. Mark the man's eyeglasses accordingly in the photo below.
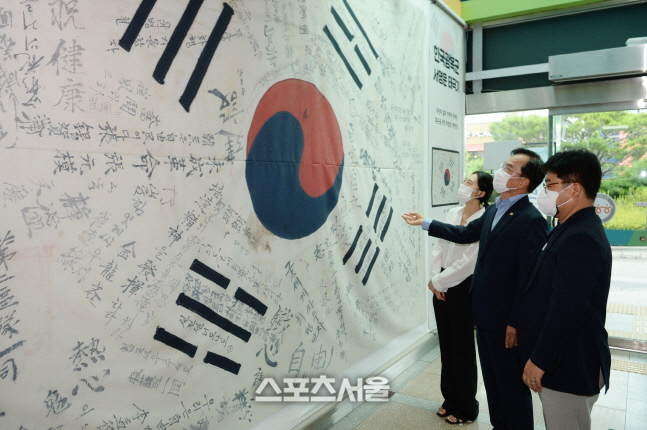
(508, 169)
(546, 185)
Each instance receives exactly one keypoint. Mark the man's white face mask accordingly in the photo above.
(500, 183)
(547, 201)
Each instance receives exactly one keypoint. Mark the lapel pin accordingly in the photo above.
(511, 213)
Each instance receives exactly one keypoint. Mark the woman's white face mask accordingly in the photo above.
(464, 194)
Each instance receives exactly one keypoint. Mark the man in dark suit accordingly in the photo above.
(510, 233)
(562, 309)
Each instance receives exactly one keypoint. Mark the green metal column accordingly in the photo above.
(551, 140)
(551, 151)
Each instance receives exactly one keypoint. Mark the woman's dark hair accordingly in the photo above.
(485, 184)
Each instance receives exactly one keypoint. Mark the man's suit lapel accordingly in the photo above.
(552, 238)
(488, 218)
(505, 219)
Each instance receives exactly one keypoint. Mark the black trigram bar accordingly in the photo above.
(366, 248)
(136, 24)
(350, 37)
(222, 362)
(206, 56)
(370, 266)
(352, 247)
(175, 42)
(343, 57)
(203, 270)
(361, 260)
(361, 58)
(211, 316)
(341, 24)
(173, 341)
(386, 226)
(250, 301)
(360, 27)
(379, 213)
(370, 204)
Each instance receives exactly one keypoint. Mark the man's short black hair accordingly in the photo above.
(533, 170)
(577, 165)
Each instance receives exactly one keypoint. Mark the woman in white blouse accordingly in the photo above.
(452, 266)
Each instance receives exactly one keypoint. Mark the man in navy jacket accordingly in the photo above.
(510, 234)
(562, 309)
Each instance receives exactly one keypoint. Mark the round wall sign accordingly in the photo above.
(605, 207)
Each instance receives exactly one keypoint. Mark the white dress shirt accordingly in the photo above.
(458, 260)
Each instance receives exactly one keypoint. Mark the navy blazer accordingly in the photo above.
(504, 259)
(563, 307)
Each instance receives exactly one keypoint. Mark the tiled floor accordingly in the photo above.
(417, 398)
